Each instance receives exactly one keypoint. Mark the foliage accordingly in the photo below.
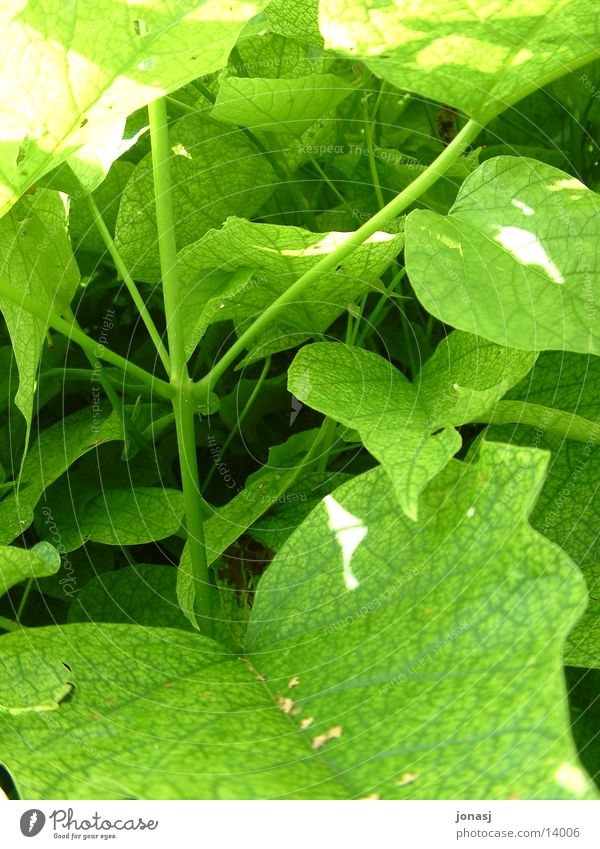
(299, 385)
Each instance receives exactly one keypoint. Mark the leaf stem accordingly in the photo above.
(50, 318)
(556, 422)
(246, 408)
(129, 282)
(392, 210)
(183, 402)
(23, 601)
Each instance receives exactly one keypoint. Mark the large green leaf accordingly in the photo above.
(238, 271)
(287, 106)
(67, 91)
(36, 258)
(49, 456)
(398, 421)
(472, 54)
(568, 508)
(216, 172)
(441, 657)
(156, 713)
(423, 679)
(516, 260)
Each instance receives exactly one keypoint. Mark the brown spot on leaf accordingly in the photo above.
(286, 704)
(293, 682)
(306, 723)
(332, 734)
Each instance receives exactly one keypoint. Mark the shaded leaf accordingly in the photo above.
(36, 258)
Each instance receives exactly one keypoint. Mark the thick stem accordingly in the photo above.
(183, 402)
(38, 310)
(329, 262)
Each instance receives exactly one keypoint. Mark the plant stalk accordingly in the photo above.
(183, 401)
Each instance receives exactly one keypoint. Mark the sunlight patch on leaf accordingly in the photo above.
(527, 248)
(525, 209)
(330, 242)
(349, 531)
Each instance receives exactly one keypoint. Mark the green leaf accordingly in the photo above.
(397, 421)
(36, 258)
(515, 261)
(276, 255)
(466, 376)
(20, 564)
(286, 106)
(568, 508)
(157, 713)
(76, 107)
(364, 391)
(131, 516)
(427, 661)
(216, 172)
(143, 594)
(49, 456)
(476, 57)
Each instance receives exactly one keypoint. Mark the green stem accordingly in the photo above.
(183, 403)
(557, 422)
(239, 422)
(381, 219)
(129, 282)
(23, 601)
(38, 310)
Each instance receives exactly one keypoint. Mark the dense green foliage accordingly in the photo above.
(299, 448)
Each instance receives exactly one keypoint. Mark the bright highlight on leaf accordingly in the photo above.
(527, 249)
(349, 532)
